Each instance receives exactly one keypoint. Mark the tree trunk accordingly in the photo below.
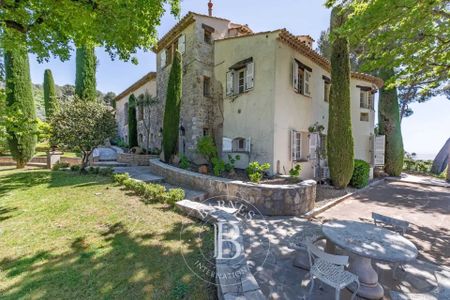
(389, 125)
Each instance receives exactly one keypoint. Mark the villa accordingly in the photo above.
(263, 96)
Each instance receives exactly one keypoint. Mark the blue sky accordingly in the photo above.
(425, 132)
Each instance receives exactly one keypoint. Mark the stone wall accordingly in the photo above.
(135, 159)
(8, 161)
(271, 200)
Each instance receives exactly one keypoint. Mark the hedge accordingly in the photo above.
(360, 177)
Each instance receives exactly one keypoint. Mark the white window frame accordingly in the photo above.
(234, 85)
(163, 58)
(301, 85)
(364, 99)
(296, 145)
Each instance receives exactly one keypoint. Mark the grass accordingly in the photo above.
(69, 236)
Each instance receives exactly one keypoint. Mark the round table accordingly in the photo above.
(366, 242)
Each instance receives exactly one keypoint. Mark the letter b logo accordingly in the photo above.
(225, 240)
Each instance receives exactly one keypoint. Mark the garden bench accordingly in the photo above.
(397, 225)
(441, 292)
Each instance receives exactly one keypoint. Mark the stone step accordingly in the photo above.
(141, 173)
(37, 164)
(111, 164)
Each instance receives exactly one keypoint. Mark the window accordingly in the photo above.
(299, 145)
(207, 33)
(364, 99)
(240, 78)
(241, 81)
(301, 78)
(326, 89)
(206, 86)
(169, 55)
(125, 114)
(364, 117)
(240, 145)
(205, 131)
(182, 43)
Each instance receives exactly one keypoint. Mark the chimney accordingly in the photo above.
(306, 39)
(210, 7)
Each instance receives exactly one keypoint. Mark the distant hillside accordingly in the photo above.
(64, 93)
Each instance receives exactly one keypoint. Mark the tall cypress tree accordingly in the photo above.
(340, 139)
(132, 122)
(171, 122)
(19, 99)
(50, 100)
(389, 125)
(85, 83)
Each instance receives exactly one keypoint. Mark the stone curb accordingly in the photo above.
(316, 211)
(239, 287)
(399, 179)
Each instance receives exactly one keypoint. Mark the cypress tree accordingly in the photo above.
(85, 83)
(389, 125)
(132, 122)
(50, 99)
(19, 99)
(340, 139)
(171, 121)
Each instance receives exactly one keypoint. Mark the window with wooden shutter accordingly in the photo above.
(296, 145)
(227, 144)
(295, 75)
(313, 144)
(163, 58)
(379, 150)
(248, 145)
(230, 83)
(182, 43)
(306, 83)
(249, 76)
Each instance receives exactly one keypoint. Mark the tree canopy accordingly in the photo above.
(411, 36)
(81, 125)
(51, 28)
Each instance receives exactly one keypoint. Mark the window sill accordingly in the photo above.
(303, 160)
(310, 97)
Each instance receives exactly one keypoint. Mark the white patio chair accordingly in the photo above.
(441, 292)
(329, 269)
(299, 242)
(399, 226)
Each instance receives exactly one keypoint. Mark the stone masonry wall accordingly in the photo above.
(271, 200)
(135, 159)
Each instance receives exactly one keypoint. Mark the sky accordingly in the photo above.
(424, 133)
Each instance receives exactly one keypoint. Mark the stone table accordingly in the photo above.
(366, 242)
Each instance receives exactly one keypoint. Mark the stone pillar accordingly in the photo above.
(53, 157)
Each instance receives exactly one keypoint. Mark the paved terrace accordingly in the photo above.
(427, 208)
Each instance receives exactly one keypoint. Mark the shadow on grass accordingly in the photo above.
(132, 267)
(25, 179)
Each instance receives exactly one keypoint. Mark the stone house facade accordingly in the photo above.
(259, 95)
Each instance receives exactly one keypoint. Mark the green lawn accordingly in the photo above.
(66, 236)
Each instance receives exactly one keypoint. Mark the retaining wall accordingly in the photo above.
(270, 200)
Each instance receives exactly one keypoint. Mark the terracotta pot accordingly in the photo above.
(203, 169)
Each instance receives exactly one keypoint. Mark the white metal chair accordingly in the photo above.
(330, 269)
(399, 226)
(299, 242)
(441, 292)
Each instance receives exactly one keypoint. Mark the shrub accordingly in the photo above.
(173, 196)
(60, 165)
(105, 171)
(154, 193)
(50, 98)
(295, 171)
(121, 177)
(207, 148)
(360, 177)
(255, 171)
(94, 170)
(75, 168)
(184, 162)
(231, 161)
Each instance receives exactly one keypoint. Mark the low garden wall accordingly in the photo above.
(8, 160)
(135, 159)
(271, 200)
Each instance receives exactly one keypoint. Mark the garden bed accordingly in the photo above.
(292, 199)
